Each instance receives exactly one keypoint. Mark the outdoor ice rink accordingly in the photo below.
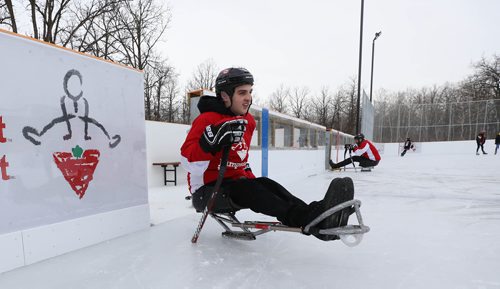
(434, 219)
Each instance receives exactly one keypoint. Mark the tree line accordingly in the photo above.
(450, 111)
(128, 32)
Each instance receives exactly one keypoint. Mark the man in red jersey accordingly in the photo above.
(225, 121)
(364, 152)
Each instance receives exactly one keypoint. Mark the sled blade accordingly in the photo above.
(245, 236)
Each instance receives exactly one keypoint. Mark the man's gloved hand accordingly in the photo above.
(225, 133)
(349, 147)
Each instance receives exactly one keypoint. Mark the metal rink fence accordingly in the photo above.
(436, 122)
(367, 117)
(285, 132)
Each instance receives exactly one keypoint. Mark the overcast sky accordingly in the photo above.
(316, 43)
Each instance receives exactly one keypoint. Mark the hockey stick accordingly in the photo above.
(352, 161)
(211, 201)
(346, 149)
(350, 157)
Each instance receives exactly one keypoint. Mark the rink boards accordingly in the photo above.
(72, 151)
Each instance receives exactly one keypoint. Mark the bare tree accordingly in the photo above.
(4, 14)
(348, 94)
(7, 16)
(487, 77)
(149, 84)
(56, 21)
(204, 76)
(170, 104)
(339, 112)
(157, 78)
(97, 36)
(143, 25)
(321, 107)
(298, 101)
(163, 75)
(278, 100)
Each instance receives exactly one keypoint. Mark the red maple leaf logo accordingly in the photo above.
(78, 171)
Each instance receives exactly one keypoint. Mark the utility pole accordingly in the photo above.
(359, 68)
(373, 57)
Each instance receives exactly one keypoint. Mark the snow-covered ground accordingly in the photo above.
(434, 219)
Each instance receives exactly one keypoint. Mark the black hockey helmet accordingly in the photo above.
(229, 78)
(360, 137)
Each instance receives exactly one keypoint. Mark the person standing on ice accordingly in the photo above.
(480, 140)
(497, 142)
(364, 152)
(225, 121)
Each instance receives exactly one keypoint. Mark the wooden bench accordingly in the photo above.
(165, 166)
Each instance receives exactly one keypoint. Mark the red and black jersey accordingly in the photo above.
(368, 150)
(203, 167)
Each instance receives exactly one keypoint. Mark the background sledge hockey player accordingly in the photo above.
(225, 121)
(364, 152)
(407, 146)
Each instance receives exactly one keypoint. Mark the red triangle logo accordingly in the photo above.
(78, 172)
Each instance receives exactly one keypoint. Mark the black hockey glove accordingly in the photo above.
(217, 136)
(348, 147)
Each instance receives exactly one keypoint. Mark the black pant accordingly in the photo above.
(261, 195)
(363, 162)
(480, 145)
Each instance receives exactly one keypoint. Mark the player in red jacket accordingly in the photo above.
(225, 121)
(364, 152)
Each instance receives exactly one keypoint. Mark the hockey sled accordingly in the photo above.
(362, 169)
(351, 235)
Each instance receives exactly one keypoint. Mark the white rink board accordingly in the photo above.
(54, 100)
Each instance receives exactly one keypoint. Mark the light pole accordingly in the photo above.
(373, 54)
(359, 66)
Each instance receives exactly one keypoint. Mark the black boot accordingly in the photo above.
(333, 165)
(341, 190)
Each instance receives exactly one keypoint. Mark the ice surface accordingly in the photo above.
(434, 219)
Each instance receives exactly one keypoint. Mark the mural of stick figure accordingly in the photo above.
(78, 101)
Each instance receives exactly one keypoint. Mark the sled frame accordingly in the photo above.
(249, 230)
